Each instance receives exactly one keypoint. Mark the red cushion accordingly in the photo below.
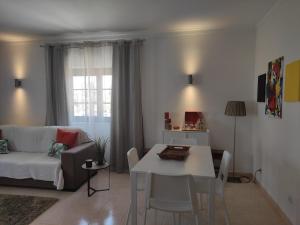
(66, 137)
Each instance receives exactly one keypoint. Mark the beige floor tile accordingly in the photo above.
(246, 203)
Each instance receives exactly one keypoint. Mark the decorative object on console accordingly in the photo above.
(235, 108)
(274, 88)
(176, 127)
(261, 88)
(194, 121)
(168, 124)
(190, 79)
(292, 82)
(18, 83)
(66, 137)
(101, 144)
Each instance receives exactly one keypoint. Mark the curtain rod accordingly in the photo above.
(80, 44)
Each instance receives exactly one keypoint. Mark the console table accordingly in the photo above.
(202, 137)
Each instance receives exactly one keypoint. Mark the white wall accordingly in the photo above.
(222, 62)
(27, 105)
(277, 141)
(223, 65)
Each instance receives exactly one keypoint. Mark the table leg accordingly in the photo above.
(89, 183)
(133, 178)
(109, 178)
(211, 202)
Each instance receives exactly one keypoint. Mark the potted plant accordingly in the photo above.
(101, 144)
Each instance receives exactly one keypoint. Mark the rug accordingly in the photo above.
(22, 210)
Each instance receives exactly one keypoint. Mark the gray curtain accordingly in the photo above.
(127, 120)
(57, 108)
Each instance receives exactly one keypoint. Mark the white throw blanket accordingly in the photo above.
(38, 166)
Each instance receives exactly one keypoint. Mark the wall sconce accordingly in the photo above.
(18, 83)
(190, 79)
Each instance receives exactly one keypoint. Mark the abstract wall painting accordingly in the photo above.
(274, 86)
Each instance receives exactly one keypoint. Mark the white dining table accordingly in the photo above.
(199, 164)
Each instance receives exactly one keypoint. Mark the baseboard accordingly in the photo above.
(274, 205)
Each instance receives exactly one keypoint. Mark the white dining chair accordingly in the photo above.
(183, 141)
(133, 159)
(161, 195)
(202, 187)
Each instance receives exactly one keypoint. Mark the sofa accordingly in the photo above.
(27, 164)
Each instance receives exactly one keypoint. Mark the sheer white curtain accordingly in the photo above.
(89, 83)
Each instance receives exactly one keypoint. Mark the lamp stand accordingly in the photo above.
(236, 178)
(233, 158)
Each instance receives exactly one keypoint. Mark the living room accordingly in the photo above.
(119, 75)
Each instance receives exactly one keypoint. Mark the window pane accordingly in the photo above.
(91, 82)
(92, 109)
(106, 110)
(78, 82)
(106, 96)
(106, 81)
(79, 109)
(92, 96)
(79, 96)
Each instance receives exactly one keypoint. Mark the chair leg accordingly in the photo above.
(128, 215)
(145, 216)
(179, 218)
(155, 216)
(197, 220)
(226, 212)
(174, 219)
(201, 202)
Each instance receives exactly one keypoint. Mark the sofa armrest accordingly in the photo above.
(71, 162)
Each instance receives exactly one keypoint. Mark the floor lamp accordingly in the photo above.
(235, 108)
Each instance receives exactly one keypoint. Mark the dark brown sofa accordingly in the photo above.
(74, 175)
(24, 139)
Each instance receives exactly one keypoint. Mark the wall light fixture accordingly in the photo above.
(18, 83)
(190, 79)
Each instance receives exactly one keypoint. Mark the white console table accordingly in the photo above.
(202, 137)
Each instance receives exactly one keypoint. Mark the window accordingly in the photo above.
(106, 90)
(92, 96)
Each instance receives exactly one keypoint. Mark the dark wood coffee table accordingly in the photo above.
(96, 167)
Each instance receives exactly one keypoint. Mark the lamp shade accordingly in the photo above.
(235, 108)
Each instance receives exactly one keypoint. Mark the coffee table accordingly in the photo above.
(96, 167)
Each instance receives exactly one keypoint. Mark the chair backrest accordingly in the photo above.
(183, 141)
(224, 167)
(132, 157)
(168, 193)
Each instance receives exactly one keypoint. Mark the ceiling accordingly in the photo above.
(57, 17)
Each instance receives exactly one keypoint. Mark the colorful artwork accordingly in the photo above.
(274, 88)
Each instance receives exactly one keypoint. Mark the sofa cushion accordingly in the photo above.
(36, 139)
(66, 137)
(33, 139)
(56, 149)
(3, 146)
(82, 136)
(22, 165)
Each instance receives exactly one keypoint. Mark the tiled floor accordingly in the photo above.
(246, 202)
